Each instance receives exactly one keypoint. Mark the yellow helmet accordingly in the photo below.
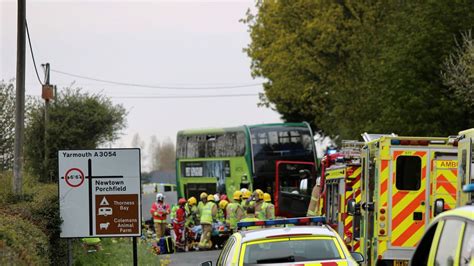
(210, 197)
(192, 201)
(203, 195)
(246, 194)
(237, 195)
(267, 197)
(223, 204)
(258, 194)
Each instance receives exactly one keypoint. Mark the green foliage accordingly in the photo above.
(38, 207)
(458, 73)
(350, 66)
(21, 242)
(114, 251)
(7, 122)
(45, 214)
(77, 120)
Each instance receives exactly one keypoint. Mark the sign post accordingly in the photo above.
(99, 193)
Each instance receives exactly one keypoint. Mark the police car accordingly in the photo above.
(450, 238)
(286, 244)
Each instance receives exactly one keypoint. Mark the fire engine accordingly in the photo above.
(340, 174)
(401, 177)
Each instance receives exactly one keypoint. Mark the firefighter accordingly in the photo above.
(174, 208)
(237, 196)
(220, 217)
(313, 207)
(246, 199)
(179, 225)
(201, 203)
(224, 197)
(208, 215)
(259, 208)
(191, 212)
(250, 217)
(160, 211)
(233, 213)
(268, 206)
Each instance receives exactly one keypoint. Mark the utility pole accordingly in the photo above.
(47, 94)
(20, 98)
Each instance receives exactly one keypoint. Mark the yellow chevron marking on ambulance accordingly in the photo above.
(406, 232)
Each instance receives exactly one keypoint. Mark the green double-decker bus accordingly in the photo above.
(265, 156)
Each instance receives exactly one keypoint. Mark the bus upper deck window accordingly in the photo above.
(408, 171)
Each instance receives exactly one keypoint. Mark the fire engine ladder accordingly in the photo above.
(369, 137)
(351, 149)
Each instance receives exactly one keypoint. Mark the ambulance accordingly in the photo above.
(401, 179)
(465, 141)
(341, 173)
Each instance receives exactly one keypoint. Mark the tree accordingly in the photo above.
(137, 142)
(77, 120)
(350, 66)
(154, 151)
(7, 122)
(458, 73)
(167, 155)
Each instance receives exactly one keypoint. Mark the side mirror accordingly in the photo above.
(351, 206)
(358, 257)
(209, 263)
(438, 206)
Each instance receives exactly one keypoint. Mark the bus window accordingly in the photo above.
(408, 173)
(230, 144)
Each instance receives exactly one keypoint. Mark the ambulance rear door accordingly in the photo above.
(408, 206)
(444, 180)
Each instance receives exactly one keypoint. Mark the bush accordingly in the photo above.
(45, 213)
(24, 242)
(38, 207)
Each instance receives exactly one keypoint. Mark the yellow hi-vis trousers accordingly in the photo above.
(206, 242)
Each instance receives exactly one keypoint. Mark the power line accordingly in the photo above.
(186, 96)
(31, 50)
(157, 86)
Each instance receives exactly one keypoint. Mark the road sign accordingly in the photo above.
(99, 192)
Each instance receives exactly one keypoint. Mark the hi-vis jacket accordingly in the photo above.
(159, 211)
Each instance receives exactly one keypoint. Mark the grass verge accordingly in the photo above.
(115, 251)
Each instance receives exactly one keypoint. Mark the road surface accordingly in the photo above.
(193, 258)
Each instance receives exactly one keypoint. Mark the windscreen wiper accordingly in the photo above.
(276, 260)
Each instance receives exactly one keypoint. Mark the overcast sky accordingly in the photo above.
(171, 43)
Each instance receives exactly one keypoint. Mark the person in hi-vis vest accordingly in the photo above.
(160, 211)
(208, 215)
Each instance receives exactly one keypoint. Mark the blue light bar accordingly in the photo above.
(245, 224)
(395, 142)
(468, 188)
(293, 221)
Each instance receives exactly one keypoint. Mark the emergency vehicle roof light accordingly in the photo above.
(468, 188)
(294, 221)
(409, 142)
(395, 142)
